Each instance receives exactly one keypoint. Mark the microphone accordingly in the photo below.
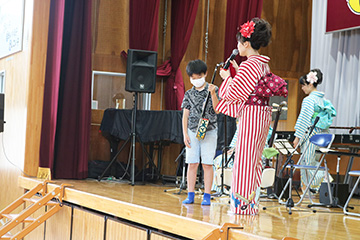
(232, 56)
(313, 126)
(281, 105)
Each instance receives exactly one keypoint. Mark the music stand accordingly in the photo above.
(289, 161)
(133, 137)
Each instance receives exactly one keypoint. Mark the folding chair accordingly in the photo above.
(324, 141)
(357, 174)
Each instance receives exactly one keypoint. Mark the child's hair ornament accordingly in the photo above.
(311, 77)
(247, 29)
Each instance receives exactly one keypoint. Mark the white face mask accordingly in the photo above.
(197, 82)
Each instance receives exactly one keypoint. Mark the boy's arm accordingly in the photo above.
(185, 119)
(214, 97)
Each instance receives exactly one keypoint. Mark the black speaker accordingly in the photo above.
(343, 193)
(141, 71)
(2, 106)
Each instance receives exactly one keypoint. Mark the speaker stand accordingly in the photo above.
(133, 137)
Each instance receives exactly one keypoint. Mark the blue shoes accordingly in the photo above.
(206, 199)
(190, 198)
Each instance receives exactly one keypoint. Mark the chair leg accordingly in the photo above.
(307, 190)
(328, 182)
(349, 198)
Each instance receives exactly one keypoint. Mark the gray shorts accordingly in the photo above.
(205, 148)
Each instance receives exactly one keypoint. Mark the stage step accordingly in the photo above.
(36, 202)
(6, 236)
(13, 216)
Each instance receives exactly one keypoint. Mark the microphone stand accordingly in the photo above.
(224, 156)
(311, 129)
(225, 148)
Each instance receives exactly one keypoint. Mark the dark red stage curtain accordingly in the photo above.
(237, 13)
(144, 35)
(143, 24)
(52, 81)
(183, 14)
(74, 105)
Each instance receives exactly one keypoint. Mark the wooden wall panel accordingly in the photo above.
(291, 39)
(36, 88)
(292, 105)
(117, 230)
(18, 68)
(87, 225)
(196, 47)
(156, 236)
(59, 225)
(290, 48)
(110, 22)
(9, 190)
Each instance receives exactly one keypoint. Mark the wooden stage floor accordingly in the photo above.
(151, 206)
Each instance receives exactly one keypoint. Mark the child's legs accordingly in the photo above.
(191, 176)
(208, 149)
(208, 177)
(192, 159)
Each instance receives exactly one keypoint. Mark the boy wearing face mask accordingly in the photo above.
(192, 105)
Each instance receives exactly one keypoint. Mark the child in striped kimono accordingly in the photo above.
(253, 113)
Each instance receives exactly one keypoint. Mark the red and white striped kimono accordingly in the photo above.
(254, 121)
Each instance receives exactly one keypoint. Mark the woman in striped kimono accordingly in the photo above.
(306, 118)
(253, 113)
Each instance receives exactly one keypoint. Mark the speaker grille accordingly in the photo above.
(142, 78)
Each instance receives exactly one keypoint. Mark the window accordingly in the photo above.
(108, 91)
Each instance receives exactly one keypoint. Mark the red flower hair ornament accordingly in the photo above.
(247, 29)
